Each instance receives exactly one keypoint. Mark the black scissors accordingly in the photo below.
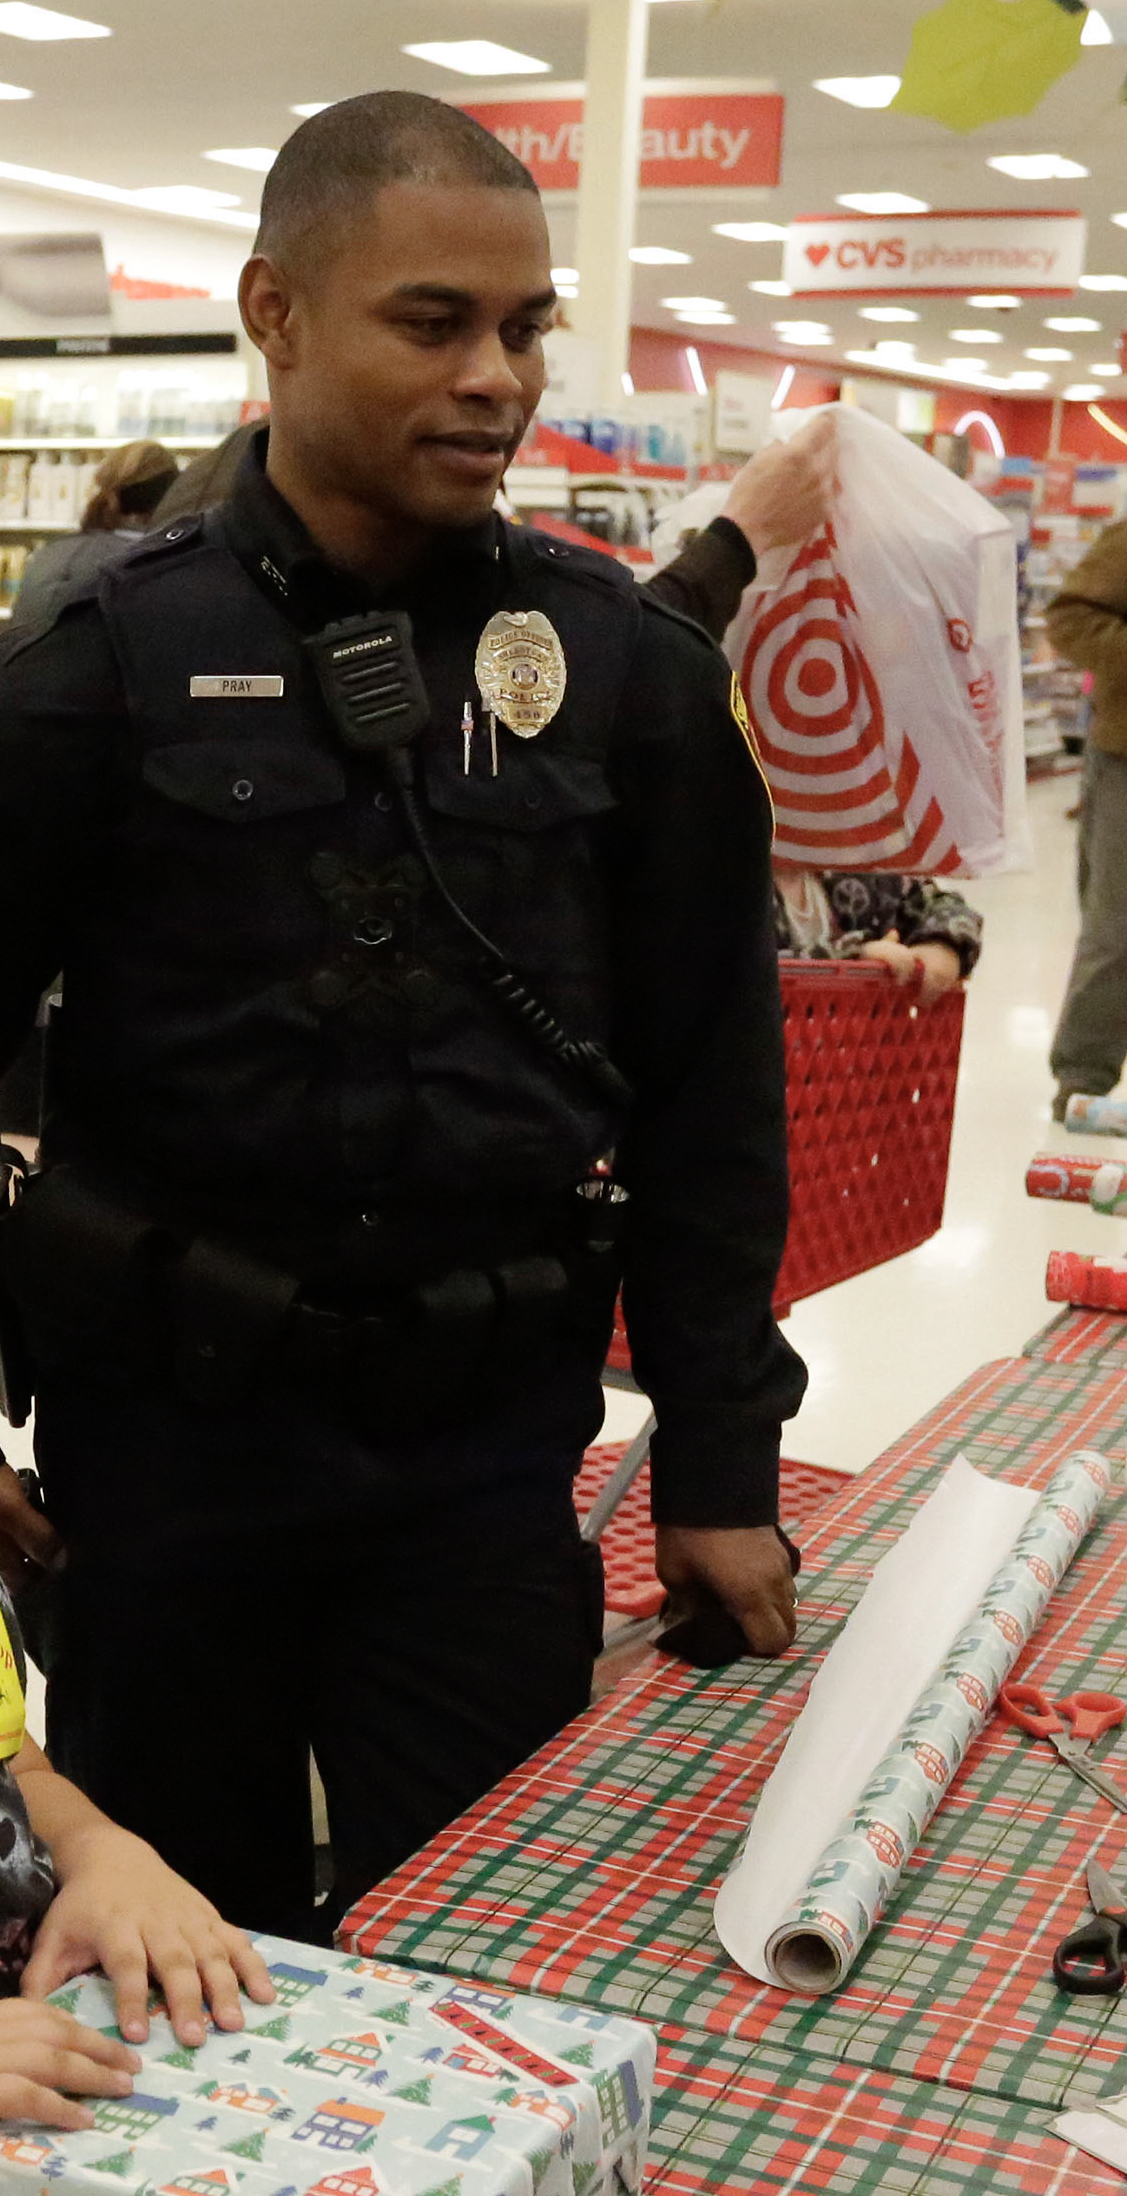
(1093, 1961)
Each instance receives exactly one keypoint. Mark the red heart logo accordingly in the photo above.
(815, 253)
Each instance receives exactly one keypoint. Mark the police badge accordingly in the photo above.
(520, 670)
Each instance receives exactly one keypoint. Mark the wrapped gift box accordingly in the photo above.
(363, 2079)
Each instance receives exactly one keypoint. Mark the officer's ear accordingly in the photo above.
(266, 301)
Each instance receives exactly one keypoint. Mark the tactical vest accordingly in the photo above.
(270, 1019)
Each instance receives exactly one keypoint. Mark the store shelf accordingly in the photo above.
(109, 442)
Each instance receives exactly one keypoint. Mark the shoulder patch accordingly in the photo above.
(743, 722)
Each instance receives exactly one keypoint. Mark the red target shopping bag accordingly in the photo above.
(882, 673)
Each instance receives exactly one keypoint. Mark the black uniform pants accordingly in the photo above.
(244, 1586)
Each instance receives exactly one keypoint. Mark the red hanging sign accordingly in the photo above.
(690, 140)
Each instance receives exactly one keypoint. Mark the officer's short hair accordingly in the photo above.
(339, 158)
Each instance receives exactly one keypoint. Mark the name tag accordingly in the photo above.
(238, 686)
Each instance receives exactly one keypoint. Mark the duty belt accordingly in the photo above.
(135, 1299)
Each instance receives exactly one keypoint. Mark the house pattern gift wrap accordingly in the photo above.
(882, 675)
(363, 2079)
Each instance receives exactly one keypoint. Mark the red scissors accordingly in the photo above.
(1070, 1725)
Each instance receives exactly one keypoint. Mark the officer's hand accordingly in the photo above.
(746, 1567)
(782, 495)
(28, 1541)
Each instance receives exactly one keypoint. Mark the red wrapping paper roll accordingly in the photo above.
(1099, 1284)
(1061, 1175)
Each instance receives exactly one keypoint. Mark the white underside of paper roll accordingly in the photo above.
(917, 1601)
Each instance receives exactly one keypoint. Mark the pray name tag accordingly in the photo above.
(237, 686)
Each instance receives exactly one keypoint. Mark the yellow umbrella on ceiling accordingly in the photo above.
(976, 61)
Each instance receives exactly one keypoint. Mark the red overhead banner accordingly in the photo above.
(690, 140)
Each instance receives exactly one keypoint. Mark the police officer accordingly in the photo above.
(409, 874)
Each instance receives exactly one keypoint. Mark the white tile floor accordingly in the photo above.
(884, 1348)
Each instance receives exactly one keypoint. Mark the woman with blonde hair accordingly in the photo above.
(128, 486)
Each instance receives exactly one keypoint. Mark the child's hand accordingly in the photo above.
(43, 2052)
(935, 965)
(121, 1909)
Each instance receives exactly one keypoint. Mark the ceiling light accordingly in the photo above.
(803, 331)
(974, 335)
(627, 383)
(657, 255)
(477, 57)
(991, 301)
(565, 274)
(13, 91)
(1024, 380)
(706, 320)
(1069, 324)
(772, 289)
(1037, 167)
(182, 198)
(888, 312)
(695, 304)
(751, 232)
(783, 387)
(1097, 31)
(1103, 282)
(964, 366)
(312, 106)
(895, 354)
(696, 370)
(1110, 368)
(1120, 220)
(567, 289)
(18, 20)
(111, 194)
(1078, 392)
(860, 91)
(260, 158)
(882, 202)
(1048, 355)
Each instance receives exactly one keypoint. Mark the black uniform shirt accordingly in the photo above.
(627, 878)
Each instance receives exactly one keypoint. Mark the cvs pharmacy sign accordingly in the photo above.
(689, 140)
(935, 254)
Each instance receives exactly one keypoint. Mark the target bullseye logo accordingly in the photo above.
(823, 739)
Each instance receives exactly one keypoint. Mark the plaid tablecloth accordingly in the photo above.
(1079, 1337)
(590, 1873)
(779, 2123)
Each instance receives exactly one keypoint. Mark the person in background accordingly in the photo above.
(1087, 622)
(128, 486)
(918, 928)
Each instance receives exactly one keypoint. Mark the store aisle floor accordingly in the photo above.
(884, 1348)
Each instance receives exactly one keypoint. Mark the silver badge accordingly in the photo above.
(520, 670)
(237, 686)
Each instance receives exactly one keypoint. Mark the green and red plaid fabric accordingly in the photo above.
(590, 1873)
(1079, 1337)
(726, 2122)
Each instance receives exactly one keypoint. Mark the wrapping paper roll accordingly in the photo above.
(1061, 1175)
(813, 1944)
(1108, 1193)
(1099, 1284)
(1096, 1116)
